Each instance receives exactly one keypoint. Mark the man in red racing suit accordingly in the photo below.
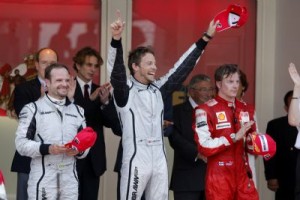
(221, 125)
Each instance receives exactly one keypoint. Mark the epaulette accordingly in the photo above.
(81, 110)
(211, 102)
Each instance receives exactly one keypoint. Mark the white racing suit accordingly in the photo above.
(41, 124)
(140, 108)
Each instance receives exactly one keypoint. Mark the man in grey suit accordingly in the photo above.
(187, 181)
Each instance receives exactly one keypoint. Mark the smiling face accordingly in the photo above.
(59, 83)
(228, 87)
(145, 71)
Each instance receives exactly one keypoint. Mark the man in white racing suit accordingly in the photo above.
(44, 127)
(139, 103)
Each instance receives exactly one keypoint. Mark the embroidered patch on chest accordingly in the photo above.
(223, 125)
(244, 117)
(221, 116)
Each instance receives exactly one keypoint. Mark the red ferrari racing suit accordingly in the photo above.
(228, 175)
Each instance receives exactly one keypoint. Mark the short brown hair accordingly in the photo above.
(226, 70)
(54, 66)
(80, 56)
(135, 56)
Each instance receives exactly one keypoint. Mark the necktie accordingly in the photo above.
(86, 91)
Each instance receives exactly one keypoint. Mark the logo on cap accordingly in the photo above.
(234, 16)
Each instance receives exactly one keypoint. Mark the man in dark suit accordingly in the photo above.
(99, 111)
(187, 181)
(280, 171)
(25, 93)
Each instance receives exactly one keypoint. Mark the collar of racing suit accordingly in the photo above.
(234, 104)
(223, 101)
(142, 86)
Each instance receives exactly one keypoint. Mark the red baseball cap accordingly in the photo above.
(83, 140)
(2, 188)
(261, 144)
(234, 16)
(1, 178)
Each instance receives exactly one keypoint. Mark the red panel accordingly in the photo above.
(28, 25)
(171, 26)
(65, 26)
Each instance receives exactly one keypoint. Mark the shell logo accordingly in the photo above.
(221, 116)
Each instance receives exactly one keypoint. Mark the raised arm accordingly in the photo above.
(186, 63)
(118, 76)
(294, 109)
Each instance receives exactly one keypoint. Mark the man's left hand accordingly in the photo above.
(71, 152)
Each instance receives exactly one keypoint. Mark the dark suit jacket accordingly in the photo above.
(187, 174)
(97, 118)
(25, 93)
(283, 165)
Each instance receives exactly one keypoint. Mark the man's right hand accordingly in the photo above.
(273, 184)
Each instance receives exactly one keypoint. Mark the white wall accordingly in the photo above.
(7, 149)
(287, 49)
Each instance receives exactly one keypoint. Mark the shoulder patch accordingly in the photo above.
(81, 110)
(31, 106)
(244, 117)
(211, 102)
(201, 118)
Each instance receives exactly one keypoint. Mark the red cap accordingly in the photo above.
(1, 178)
(83, 140)
(261, 144)
(233, 17)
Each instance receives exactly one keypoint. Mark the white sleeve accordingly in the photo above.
(26, 130)
(111, 57)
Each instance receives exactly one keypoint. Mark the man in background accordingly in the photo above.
(280, 171)
(99, 111)
(187, 181)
